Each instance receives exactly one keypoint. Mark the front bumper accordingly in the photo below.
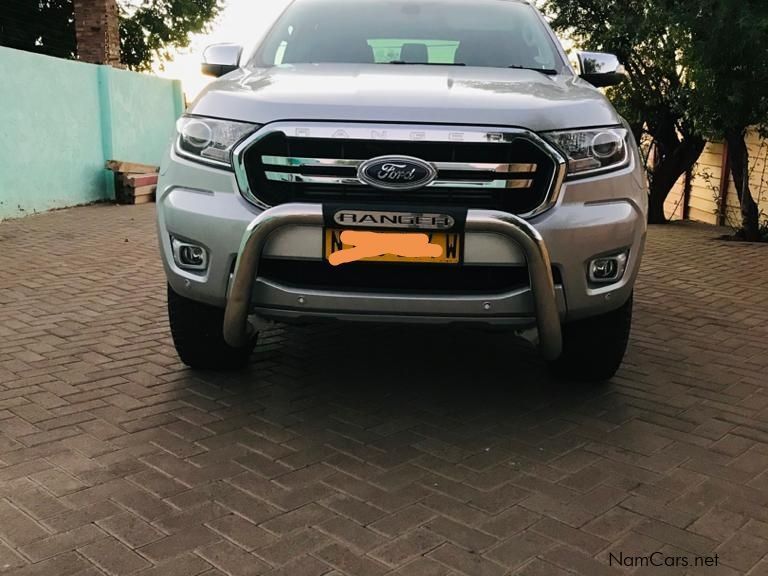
(594, 216)
(541, 291)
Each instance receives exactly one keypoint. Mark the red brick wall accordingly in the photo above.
(98, 32)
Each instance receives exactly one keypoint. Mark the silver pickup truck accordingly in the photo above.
(410, 161)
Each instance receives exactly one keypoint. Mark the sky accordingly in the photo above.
(241, 21)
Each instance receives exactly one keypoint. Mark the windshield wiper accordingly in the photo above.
(426, 63)
(547, 71)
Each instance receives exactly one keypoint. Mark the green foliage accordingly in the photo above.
(656, 96)
(655, 100)
(724, 47)
(42, 26)
(148, 29)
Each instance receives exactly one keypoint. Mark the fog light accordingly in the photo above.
(607, 269)
(189, 256)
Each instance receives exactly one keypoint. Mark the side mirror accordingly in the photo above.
(601, 69)
(220, 59)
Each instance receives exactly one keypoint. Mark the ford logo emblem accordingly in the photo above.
(396, 172)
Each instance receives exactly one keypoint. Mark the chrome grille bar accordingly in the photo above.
(511, 183)
(311, 179)
(294, 178)
(311, 162)
(291, 161)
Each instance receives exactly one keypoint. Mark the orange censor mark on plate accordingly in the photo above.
(373, 244)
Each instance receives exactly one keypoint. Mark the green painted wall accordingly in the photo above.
(61, 120)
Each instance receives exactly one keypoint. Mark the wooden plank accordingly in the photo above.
(714, 148)
(710, 160)
(702, 216)
(704, 204)
(144, 190)
(131, 167)
(704, 193)
(137, 180)
(144, 199)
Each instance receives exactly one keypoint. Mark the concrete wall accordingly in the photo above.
(61, 120)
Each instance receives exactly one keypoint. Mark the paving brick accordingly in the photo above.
(742, 551)
(62, 542)
(352, 534)
(242, 532)
(231, 559)
(677, 537)
(141, 502)
(454, 509)
(82, 516)
(130, 529)
(406, 547)
(632, 544)
(469, 564)
(668, 513)
(57, 482)
(348, 562)
(403, 520)
(569, 559)
(186, 564)
(158, 484)
(567, 535)
(310, 515)
(613, 523)
(718, 524)
(113, 557)
(499, 499)
(302, 566)
(537, 567)
(357, 510)
(292, 545)
(423, 567)
(39, 503)
(517, 550)
(465, 536)
(66, 564)
(179, 543)
(509, 522)
(177, 522)
(568, 512)
(9, 559)
(18, 528)
(107, 442)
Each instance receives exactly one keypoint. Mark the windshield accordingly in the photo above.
(492, 33)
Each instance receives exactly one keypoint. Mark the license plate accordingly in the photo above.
(370, 246)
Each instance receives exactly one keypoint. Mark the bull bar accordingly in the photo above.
(236, 326)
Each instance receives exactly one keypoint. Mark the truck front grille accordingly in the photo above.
(507, 171)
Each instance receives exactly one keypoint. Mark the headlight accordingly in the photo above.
(593, 150)
(208, 140)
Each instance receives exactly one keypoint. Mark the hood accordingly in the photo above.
(407, 94)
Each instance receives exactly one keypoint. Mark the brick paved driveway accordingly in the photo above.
(432, 452)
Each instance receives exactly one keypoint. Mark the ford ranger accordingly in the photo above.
(415, 161)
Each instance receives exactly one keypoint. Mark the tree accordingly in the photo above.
(725, 54)
(655, 98)
(156, 25)
(42, 26)
(147, 30)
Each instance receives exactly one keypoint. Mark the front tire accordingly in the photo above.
(594, 348)
(197, 331)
